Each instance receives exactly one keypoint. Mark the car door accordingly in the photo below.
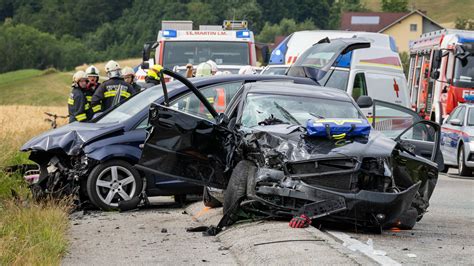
(449, 138)
(188, 139)
(416, 136)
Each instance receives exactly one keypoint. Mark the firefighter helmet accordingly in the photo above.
(203, 70)
(78, 76)
(113, 69)
(92, 71)
(127, 71)
(154, 70)
(213, 66)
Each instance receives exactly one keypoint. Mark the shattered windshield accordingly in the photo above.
(296, 110)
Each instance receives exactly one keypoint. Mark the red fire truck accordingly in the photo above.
(441, 72)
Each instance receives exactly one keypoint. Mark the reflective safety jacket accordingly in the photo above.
(110, 93)
(90, 91)
(79, 108)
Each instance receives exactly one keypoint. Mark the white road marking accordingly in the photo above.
(368, 250)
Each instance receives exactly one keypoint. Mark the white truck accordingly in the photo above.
(231, 46)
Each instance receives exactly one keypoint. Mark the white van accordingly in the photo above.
(375, 71)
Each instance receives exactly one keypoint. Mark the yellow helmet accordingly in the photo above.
(154, 70)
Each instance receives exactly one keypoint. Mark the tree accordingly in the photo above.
(463, 23)
(285, 27)
(394, 5)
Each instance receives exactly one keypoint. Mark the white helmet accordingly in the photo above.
(113, 69)
(127, 71)
(92, 71)
(213, 66)
(78, 76)
(203, 70)
(247, 70)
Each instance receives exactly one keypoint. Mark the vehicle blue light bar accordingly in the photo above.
(243, 34)
(344, 60)
(169, 33)
(278, 54)
(463, 39)
(469, 98)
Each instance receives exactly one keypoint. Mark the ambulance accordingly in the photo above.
(441, 72)
(231, 46)
(375, 71)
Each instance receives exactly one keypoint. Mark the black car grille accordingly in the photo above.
(332, 173)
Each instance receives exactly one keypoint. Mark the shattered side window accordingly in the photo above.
(218, 96)
(293, 109)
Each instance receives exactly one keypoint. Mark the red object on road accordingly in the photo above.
(300, 222)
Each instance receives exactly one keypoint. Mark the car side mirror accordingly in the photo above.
(364, 101)
(455, 122)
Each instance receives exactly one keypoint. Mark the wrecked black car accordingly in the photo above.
(269, 161)
(94, 161)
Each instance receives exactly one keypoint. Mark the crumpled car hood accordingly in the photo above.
(296, 146)
(70, 138)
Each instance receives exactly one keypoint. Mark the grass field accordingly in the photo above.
(30, 233)
(35, 87)
(441, 11)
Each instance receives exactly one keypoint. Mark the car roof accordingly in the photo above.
(293, 89)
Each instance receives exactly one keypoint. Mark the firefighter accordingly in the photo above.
(113, 91)
(152, 78)
(79, 108)
(129, 76)
(93, 76)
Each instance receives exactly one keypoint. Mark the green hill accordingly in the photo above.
(441, 11)
(34, 87)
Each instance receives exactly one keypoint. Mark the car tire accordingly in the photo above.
(111, 182)
(463, 170)
(208, 200)
(445, 169)
(237, 187)
(408, 219)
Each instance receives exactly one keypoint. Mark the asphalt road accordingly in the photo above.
(445, 235)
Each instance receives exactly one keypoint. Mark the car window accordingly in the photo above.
(338, 79)
(391, 119)
(217, 95)
(461, 115)
(136, 104)
(453, 114)
(293, 109)
(360, 86)
(470, 117)
(423, 132)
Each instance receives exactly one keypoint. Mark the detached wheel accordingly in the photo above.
(112, 182)
(463, 170)
(208, 200)
(237, 187)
